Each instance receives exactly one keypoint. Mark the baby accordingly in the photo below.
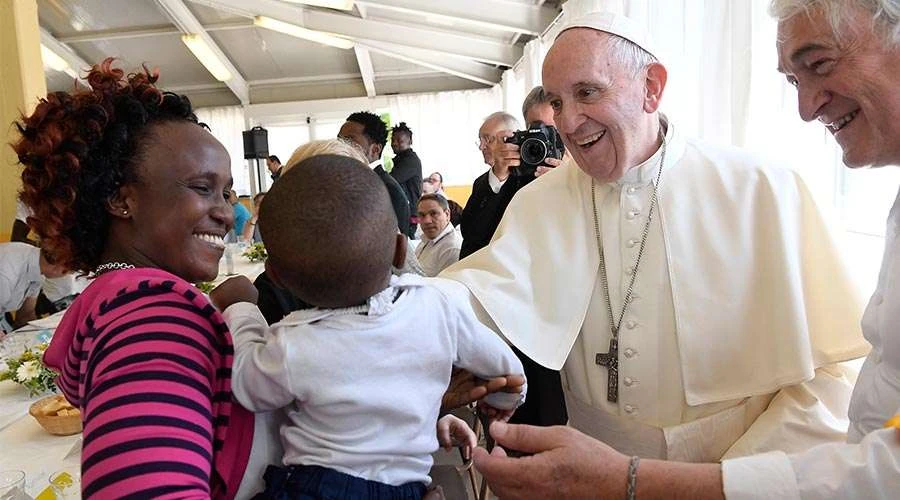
(361, 375)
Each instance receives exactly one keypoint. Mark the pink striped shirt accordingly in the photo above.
(147, 359)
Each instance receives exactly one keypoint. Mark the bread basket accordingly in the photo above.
(60, 425)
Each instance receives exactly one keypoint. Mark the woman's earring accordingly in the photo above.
(125, 212)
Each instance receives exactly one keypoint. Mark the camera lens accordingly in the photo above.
(533, 151)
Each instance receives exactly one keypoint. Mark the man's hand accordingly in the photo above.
(551, 164)
(505, 155)
(565, 464)
(466, 388)
(233, 290)
(453, 431)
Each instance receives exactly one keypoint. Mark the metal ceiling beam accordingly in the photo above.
(458, 45)
(365, 69)
(187, 23)
(145, 31)
(470, 70)
(75, 61)
(492, 14)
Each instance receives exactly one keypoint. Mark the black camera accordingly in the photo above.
(536, 144)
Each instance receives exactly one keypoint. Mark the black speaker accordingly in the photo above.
(256, 143)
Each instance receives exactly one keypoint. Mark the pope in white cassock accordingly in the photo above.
(691, 295)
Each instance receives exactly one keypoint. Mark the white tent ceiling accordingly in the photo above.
(399, 46)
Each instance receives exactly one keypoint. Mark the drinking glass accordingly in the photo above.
(66, 483)
(12, 485)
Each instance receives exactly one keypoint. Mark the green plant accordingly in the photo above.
(256, 253)
(28, 370)
(205, 286)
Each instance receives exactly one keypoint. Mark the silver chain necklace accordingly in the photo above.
(111, 266)
(610, 359)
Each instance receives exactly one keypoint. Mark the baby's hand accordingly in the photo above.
(494, 414)
(233, 290)
(453, 431)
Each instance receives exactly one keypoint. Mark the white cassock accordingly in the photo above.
(742, 306)
(868, 466)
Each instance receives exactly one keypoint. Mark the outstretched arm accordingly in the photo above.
(568, 464)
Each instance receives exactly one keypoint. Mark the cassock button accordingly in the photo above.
(631, 190)
(630, 409)
(629, 270)
(629, 381)
(630, 324)
(632, 214)
(631, 243)
(629, 353)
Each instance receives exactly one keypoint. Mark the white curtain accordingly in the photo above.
(445, 129)
(226, 124)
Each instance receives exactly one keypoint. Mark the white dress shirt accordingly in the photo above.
(20, 274)
(436, 255)
(868, 466)
(495, 181)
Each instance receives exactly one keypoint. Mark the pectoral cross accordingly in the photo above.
(611, 361)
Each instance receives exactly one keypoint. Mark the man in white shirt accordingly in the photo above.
(678, 284)
(440, 242)
(21, 267)
(843, 57)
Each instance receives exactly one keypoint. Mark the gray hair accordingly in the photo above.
(511, 122)
(536, 97)
(885, 14)
(629, 54)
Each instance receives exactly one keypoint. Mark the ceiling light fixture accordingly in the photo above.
(53, 60)
(300, 32)
(207, 57)
(331, 4)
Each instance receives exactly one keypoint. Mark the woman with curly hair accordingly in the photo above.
(127, 187)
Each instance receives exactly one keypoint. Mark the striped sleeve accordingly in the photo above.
(148, 396)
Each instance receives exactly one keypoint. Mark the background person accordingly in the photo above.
(251, 231)
(368, 131)
(22, 268)
(440, 243)
(407, 169)
(274, 166)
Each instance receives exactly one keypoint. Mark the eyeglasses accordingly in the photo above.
(485, 141)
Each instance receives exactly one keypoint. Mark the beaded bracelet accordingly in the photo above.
(631, 487)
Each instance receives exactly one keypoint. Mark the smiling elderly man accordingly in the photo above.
(843, 56)
(678, 285)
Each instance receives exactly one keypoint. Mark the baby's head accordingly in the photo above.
(330, 232)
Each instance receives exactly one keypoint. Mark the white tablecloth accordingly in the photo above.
(25, 445)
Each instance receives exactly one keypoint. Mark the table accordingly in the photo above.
(26, 445)
(241, 265)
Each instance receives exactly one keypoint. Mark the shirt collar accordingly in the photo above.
(447, 230)
(375, 164)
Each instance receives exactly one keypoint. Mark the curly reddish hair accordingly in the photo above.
(78, 147)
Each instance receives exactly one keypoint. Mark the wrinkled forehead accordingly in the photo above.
(805, 32)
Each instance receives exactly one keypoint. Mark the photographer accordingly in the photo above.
(493, 190)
